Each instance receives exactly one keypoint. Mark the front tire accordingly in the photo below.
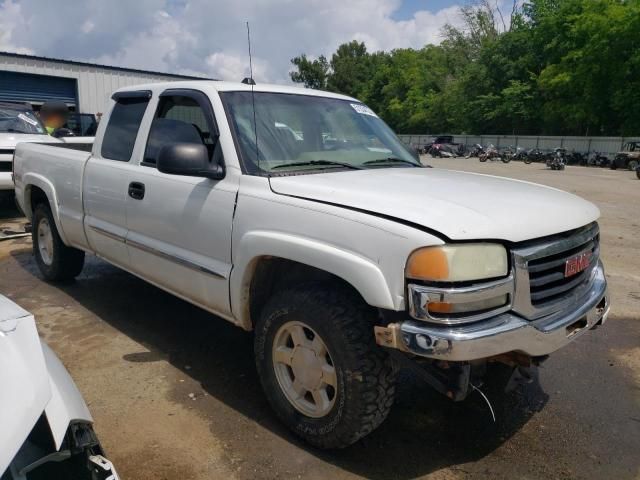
(55, 260)
(320, 367)
(632, 165)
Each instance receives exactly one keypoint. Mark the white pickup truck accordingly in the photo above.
(299, 215)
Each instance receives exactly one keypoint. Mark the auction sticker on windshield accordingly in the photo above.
(24, 118)
(363, 109)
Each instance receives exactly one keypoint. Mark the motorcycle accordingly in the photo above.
(475, 151)
(446, 150)
(558, 160)
(520, 154)
(441, 150)
(491, 153)
(576, 158)
(597, 159)
(533, 155)
(508, 154)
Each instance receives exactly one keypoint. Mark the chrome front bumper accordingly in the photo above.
(506, 332)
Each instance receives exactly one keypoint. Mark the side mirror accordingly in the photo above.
(191, 159)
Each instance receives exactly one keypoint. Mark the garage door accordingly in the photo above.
(26, 87)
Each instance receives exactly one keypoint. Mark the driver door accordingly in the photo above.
(180, 226)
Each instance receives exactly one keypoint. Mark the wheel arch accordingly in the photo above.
(278, 260)
(38, 189)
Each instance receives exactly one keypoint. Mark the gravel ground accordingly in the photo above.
(175, 396)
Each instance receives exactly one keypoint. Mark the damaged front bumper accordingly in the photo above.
(504, 333)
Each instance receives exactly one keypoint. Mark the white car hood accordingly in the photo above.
(10, 140)
(458, 205)
(32, 381)
(24, 380)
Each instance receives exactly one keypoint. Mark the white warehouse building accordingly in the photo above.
(84, 87)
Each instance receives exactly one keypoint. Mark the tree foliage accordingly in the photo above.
(547, 67)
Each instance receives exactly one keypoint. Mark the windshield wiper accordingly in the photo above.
(391, 160)
(326, 163)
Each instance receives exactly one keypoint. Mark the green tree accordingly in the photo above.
(311, 73)
(350, 68)
(545, 67)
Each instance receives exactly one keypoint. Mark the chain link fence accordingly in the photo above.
(606, 145)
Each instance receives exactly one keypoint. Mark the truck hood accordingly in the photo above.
(458, 205)
(10, 140)
(24, 380)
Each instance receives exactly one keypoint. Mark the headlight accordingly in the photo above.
(458, 263)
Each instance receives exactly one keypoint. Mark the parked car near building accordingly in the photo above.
(46, 429)
(18, 123)
(333, 244)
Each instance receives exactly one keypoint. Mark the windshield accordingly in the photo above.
(19, 120)
(303, 132)
(631, 147)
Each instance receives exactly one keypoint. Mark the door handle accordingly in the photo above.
(136, 190)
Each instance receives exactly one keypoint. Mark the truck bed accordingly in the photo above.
(57, 169)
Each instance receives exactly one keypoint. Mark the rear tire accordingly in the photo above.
(362, 372)
(55, 260)
(632, 165)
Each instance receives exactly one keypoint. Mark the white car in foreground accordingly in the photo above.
(299, 215)
(45, 426)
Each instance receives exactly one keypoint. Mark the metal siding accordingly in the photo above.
(94, 84)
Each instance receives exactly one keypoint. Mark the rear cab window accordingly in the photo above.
(124, 123)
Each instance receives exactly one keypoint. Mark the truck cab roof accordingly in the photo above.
(222, 86)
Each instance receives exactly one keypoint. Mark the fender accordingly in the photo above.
(360, 272)
(33, 179)
(66, 404)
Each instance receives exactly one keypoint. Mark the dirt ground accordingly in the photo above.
(175, 396)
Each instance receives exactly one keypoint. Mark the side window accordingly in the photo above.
(122, 129)
(179, 119)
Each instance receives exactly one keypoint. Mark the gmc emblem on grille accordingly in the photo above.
(577, 264)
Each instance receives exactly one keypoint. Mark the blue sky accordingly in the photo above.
(208, 37)
(410, 7)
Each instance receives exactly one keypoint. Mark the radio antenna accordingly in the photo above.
(252, 82)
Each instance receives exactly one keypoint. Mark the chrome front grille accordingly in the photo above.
(541, 285)
(547, 279)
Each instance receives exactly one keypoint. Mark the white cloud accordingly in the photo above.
(207, 37)
(11, 18)
(87, 26)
